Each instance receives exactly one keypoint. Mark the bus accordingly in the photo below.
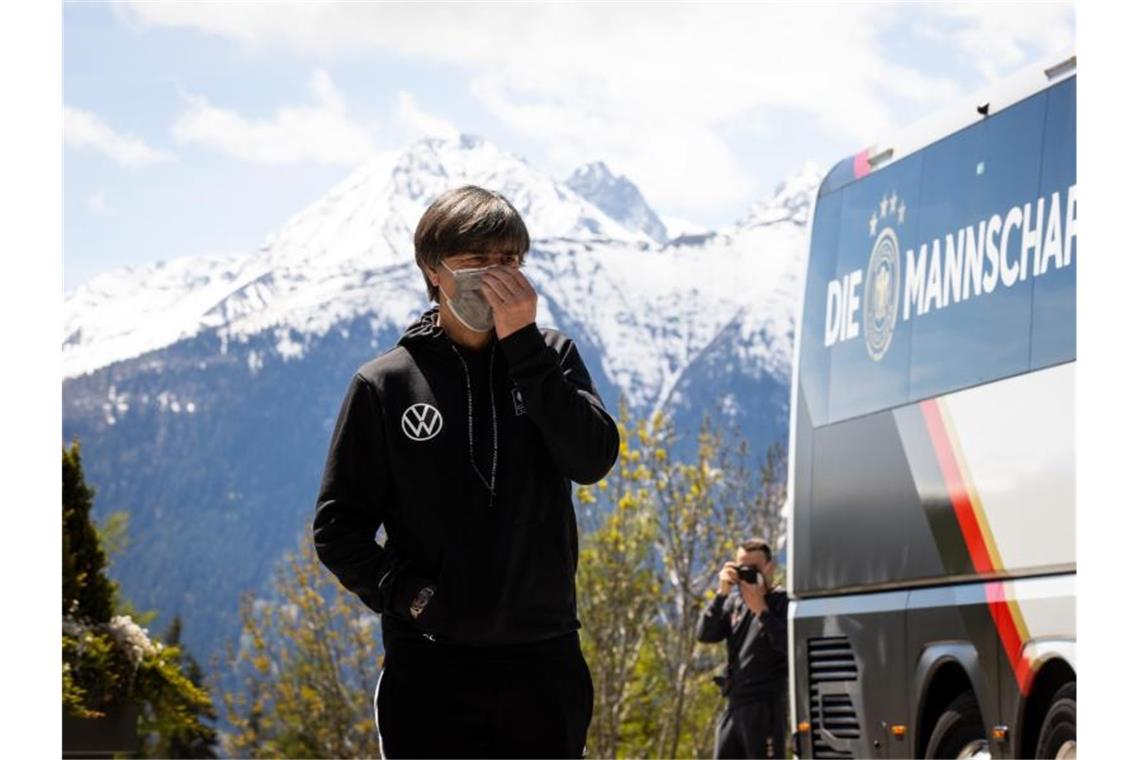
(931, 522)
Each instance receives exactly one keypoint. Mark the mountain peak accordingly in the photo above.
(364, 224)
(619, 198)
(790, 201)
(469, 141)
(594, 171)
(431, 166)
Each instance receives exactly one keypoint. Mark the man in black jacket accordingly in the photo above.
(461, 441)
(754, 625)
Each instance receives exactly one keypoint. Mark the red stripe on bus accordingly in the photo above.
(862, 163)
(956, 488)
(1010, 637)
(959, 496)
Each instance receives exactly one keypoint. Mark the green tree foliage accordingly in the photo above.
(767, 517)
(107, 658)
(87, 591)
(617, 598)
(657, 531)
(306, 666)
(172, 738)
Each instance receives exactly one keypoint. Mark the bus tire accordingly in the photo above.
(1058, 737)
(959, 731)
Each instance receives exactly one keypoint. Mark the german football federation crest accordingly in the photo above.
(881, 285)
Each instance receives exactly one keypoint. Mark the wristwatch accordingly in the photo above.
(421, 601)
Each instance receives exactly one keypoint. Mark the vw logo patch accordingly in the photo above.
(421, 422)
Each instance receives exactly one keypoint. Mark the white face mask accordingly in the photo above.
(469, 306)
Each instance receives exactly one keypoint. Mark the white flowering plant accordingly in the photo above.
(106, 664)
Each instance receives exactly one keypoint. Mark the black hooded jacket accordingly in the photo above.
(417, 446)
(757, 645)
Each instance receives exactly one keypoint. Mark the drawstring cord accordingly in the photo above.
(471, 422)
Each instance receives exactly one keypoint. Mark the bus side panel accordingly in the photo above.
(1009, 448)
(952, 627)
(979, 483)
(1044, 616)
(850, 682)
(814, 370)
(1000, 633)
(968, 447)
(848, 670)
(799, 519)
(1054, 300)
(867, 524)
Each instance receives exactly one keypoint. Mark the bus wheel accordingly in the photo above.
(1058, 738)
(959, 731)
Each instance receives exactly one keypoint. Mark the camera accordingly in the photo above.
(747, 573)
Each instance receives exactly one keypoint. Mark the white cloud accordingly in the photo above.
(998, 37)
(83, 129)
(417, 122)
(655, 90)
(323, 132)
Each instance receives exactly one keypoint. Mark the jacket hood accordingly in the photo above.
(425, 333)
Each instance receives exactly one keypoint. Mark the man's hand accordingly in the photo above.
(728, 578)
(512, 298)
(753, 594)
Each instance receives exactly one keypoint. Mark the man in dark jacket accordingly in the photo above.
(753, 623)
(461, 441)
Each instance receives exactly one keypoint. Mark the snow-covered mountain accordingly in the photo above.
(619, 198)
(653, 308)
(790, 202)
(204, 388)
(314, 271)
(676, 227)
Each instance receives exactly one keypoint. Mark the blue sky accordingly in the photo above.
(201, 127)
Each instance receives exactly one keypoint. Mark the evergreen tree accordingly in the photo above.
(173, 740)
(108, 660)
(88, 593)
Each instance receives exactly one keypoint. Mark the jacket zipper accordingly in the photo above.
(490, 486)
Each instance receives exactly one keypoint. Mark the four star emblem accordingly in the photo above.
(890, 205)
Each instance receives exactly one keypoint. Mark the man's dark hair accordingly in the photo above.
(757, 545)
(467, 219)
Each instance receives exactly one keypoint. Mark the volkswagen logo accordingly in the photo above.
(421, 422)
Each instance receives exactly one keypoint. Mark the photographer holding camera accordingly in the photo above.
(753, 623)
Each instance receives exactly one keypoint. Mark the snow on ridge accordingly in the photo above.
(676, 227)
(128, 311)
(363, 223)
(790, 201)
(550, 208)
(654, 313)
(651, 310)
(369, 218)
(618, 197)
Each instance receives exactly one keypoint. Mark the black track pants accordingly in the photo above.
(507, 703)
(752, 729)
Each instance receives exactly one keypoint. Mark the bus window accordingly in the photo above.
(869, 337)
(1054, 290)
(814, 355)
(979, 193)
